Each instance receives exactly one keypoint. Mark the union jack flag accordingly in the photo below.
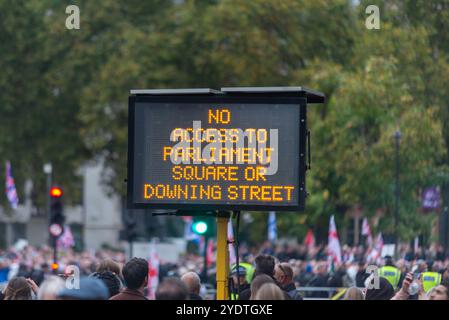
(66, 240)
(11, 192)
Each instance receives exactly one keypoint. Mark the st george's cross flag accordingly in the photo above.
(366, 231)
(333, 247)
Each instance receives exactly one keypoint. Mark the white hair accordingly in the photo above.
(51, 286)
(192, 281)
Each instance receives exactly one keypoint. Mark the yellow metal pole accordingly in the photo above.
(222, 258)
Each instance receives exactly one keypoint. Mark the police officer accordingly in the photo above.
(240, 279)
(249, 271)
(390, 272)
(430, 280)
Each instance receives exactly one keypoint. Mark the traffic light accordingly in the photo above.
(200, 227)
(56, 192)
(131, 232)
(56, 212)
(203, 226)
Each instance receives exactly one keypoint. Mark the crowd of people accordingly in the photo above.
(265, 273)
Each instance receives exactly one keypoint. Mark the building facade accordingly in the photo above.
(94, 223)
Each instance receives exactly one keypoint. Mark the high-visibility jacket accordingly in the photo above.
(430, 280)
(392, 274)
(249, 270)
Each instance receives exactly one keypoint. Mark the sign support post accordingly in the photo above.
(222, 260)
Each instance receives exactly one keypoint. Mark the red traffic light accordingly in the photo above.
(55, 192)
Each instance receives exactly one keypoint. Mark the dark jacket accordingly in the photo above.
(194, 296)
(243, 288)
(385, 291)
(292, 292)
(128, 294)
(319, 281)
(246, 293)
(360, 278)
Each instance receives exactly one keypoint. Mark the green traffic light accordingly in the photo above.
(200, 227)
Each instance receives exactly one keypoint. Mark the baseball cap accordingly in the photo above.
(242, 270)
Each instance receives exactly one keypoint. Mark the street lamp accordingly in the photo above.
(397, 137)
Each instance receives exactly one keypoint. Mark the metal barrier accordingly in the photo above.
(331, 291)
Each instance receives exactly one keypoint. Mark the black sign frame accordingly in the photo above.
(299, 100)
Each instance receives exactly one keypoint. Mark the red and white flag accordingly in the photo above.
(376, 252)
(416, 244)
(379, 242)
(210, 252)
(333, 247)
(232, 257)
(309, 240)
(153, 271)
(366, 231)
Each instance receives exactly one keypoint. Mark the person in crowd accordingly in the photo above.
(264, 265)
(50, 288)
(440, 292)
(257, 283)
(336, 279)
(172, 289)
(385, 290)
(269, 291)
(89, 289)
(109, 265)
(444, 274)
(18, 288)
(390, 272)
(38, 275)
(267, 249)
(421, 266)
(111, 281)
(305, 274)
(4, 270)
(135, 276)
(361, 274)
(236, 279)
(319, 280)
(193, 284)
(284, 276)
(404, 293)
(354, 293)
